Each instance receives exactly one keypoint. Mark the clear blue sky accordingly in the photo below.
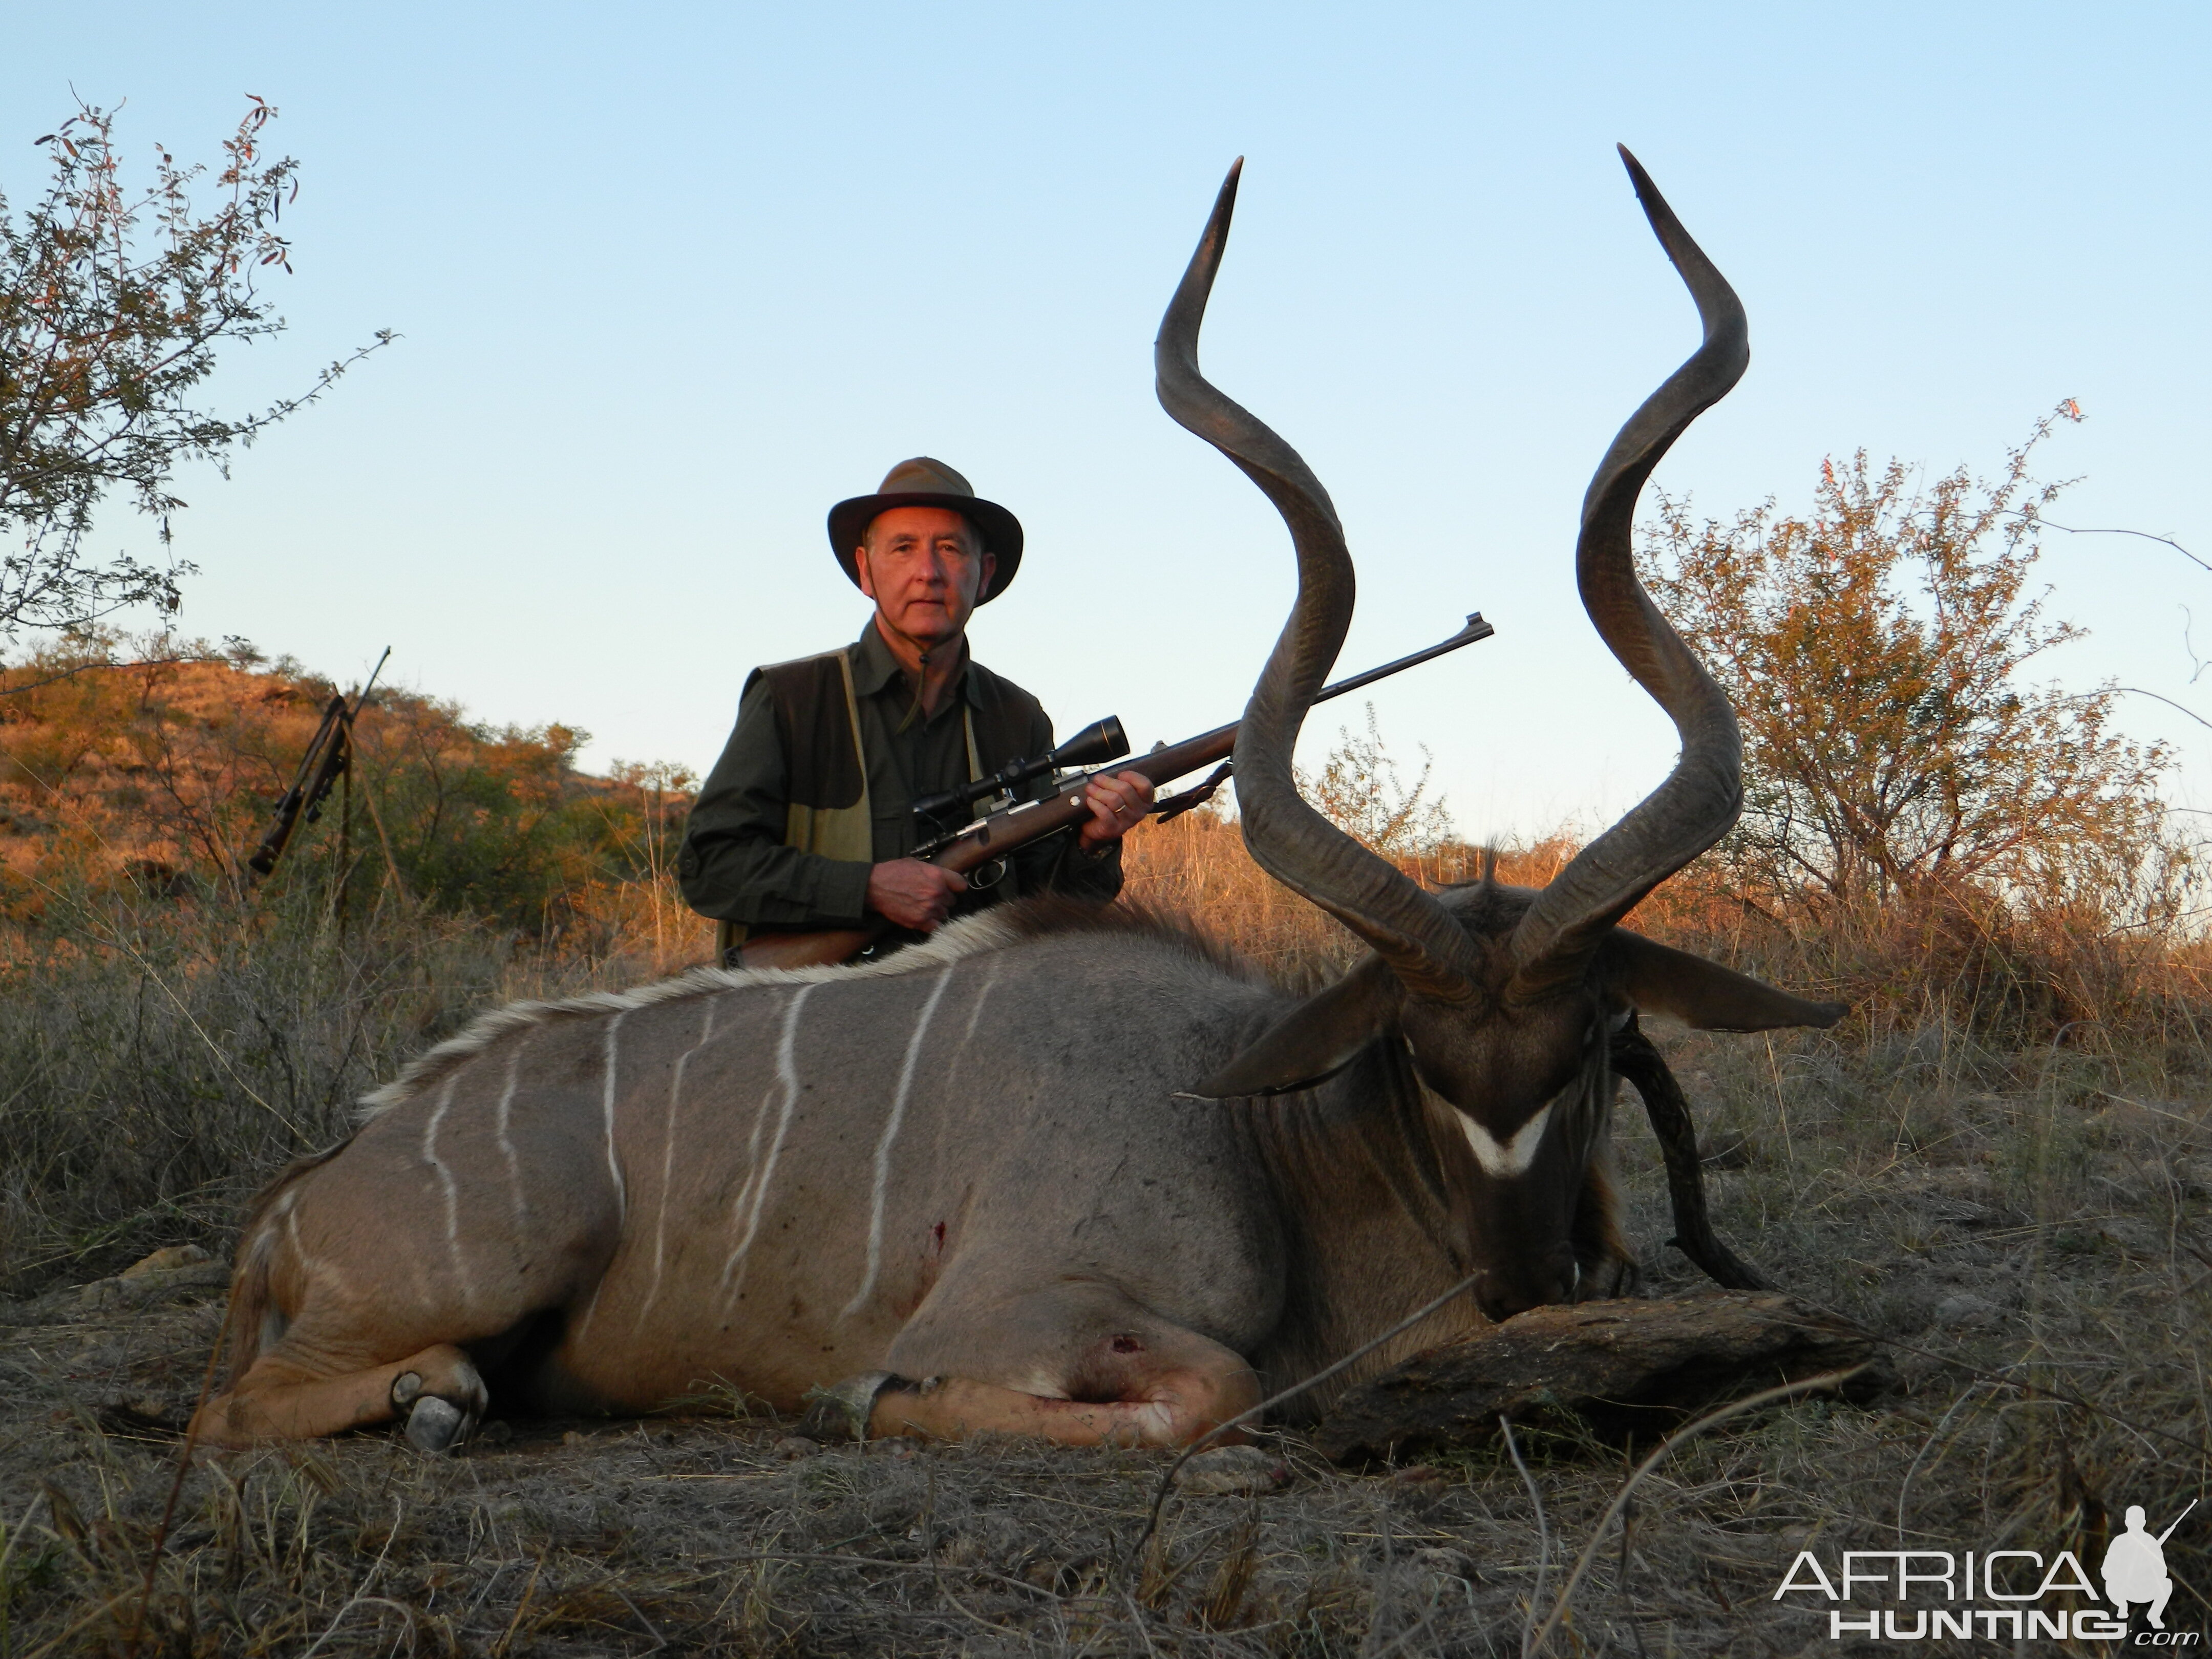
(672, 279)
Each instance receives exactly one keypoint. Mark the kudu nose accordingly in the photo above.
(1502, 1292)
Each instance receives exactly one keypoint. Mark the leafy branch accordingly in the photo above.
(112, 306)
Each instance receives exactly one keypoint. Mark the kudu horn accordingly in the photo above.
(1429, 951)
(1704, 795)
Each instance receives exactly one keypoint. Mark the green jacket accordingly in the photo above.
(786, 825)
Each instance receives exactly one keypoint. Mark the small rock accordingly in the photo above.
(790, 1448)
(894, 1445)
(1446, 1577)
(1453, 1563)
(167, 1259)
(961, 1550)
(1233, 1470)
(497, 1432)
(1419, 1485)
(1964, 1312)
(1733, 1153)
(573, 1438)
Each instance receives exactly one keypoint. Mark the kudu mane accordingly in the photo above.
(996, 929)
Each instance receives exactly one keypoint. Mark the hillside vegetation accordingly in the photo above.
(163, 773)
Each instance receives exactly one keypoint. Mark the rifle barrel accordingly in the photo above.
(977, 843)
(1476, 628)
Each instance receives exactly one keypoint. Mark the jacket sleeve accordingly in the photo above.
(1060, 863)
(734, 866)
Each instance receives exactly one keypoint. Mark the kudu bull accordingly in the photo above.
(978, 1165)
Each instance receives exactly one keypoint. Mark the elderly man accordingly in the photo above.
(806, 820)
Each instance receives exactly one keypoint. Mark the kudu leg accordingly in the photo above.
(1177, 1406)
(1635, 1058)
(1077, 1364)
(279, 1398)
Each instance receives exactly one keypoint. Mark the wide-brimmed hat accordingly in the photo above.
(922, 481)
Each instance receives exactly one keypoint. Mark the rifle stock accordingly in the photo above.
(992, 837)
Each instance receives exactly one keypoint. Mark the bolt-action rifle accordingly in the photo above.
(329, 756)
(974, 845)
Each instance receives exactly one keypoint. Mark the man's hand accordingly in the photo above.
(1118, 804)
(914, 893)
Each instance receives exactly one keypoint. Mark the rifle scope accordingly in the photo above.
(1094, 745)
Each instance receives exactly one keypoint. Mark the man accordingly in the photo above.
(806, 820)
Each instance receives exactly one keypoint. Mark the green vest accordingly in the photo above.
(826, 811)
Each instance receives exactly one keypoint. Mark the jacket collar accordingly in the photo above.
(874, 667)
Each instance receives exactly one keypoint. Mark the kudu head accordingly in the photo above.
(1506, 998)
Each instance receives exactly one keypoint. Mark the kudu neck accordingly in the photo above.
(1373, 1223)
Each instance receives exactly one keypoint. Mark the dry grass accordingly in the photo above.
(2025, 1223)
(162, 1057)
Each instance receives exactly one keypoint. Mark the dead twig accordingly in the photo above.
(184, 1468)
(1681, 1436)
(354, 1601)
(1167, 1479)
(1543, 1535)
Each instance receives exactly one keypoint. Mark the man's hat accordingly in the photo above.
(924, 482)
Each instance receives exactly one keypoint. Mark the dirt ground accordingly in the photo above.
(2032, 1241)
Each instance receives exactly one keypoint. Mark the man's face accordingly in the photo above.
(923, 566)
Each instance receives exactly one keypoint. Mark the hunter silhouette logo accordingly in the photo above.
(2012, 1586)
(2135, 1566)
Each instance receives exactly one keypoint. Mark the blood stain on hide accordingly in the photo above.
(1127, 1345)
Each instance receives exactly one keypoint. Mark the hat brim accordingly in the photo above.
(1001, 530)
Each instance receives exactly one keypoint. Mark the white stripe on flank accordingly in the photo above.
(884, 1146)
(1513, 1157)
(452, 1191)
(668, 1160)
(786, 1082)
(506, 1146)
(614, 1168)
(299, 1245)
(976, 1013)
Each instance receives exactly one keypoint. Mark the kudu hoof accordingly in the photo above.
(436, 1426)
(842, 1413)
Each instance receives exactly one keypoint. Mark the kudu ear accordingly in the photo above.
(1704, 994)
(1315, 1040)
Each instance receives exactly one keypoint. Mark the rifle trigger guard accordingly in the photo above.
(988, 875)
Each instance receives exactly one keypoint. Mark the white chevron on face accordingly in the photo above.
(1508, 1158)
